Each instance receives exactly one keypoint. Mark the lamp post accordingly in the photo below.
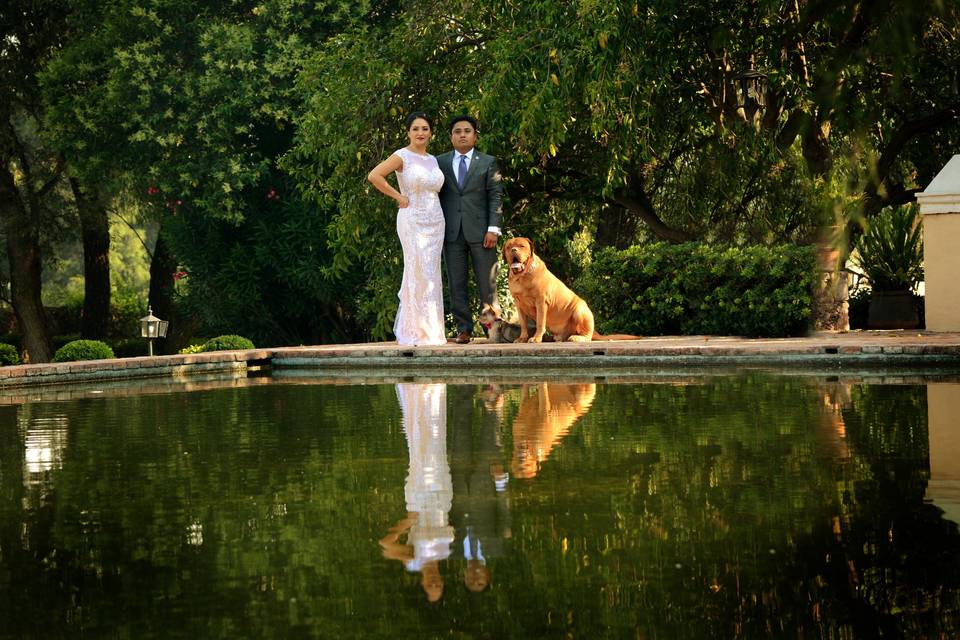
(152, 327)
(750, 87)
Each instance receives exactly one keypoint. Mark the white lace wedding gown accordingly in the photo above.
(420, 227)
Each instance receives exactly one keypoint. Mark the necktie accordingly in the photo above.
(462, 171)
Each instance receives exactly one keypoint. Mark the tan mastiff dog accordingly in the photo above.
(540, 296)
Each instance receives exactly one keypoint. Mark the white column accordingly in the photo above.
(940, 208)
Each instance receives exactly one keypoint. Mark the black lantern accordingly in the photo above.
(152, 327)
(751, 90)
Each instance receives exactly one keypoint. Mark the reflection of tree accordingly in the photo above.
(720, 509)
(271, 475)
(712, 505)
(428, 489)
(15, 532)
(900, 558)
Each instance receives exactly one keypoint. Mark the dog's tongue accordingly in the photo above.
(516, 266)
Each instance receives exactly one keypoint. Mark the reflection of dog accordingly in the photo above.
(539, 295)
(500, 330)
(543, 419)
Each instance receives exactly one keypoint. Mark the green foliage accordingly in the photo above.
(227, 343)
(266, 276)
(8, 355)
(193, 348)
(859, 307)
(62, 339)
(694, 289)
(129, 347)
(628, 104)
(83, 350)
(12, 338)
(621, 115)
(890, 253)
(683, 511)
(189, 107)
(127, 307)
(247, 130)
(129, 260)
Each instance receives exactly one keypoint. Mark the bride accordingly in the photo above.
(420, 227)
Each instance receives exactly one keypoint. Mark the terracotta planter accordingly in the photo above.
(893, 310)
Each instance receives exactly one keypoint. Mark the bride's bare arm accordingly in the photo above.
(378, 178)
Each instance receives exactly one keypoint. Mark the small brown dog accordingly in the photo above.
(541, 296)
(500, 330)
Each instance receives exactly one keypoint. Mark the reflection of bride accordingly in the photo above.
(428, 491)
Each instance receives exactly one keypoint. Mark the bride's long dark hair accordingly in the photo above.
(419, 115)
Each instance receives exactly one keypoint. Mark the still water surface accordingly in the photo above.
(746, 506)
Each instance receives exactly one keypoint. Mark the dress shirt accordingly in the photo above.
(456, 160)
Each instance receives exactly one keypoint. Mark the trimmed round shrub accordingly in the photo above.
(83, 350)
(227, 343)
(8, 355)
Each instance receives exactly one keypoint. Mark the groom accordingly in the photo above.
(471, 199)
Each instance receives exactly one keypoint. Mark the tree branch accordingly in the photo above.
(791, 129)
(634, 198)
(881, 193)
(910, 130)
(54, 179)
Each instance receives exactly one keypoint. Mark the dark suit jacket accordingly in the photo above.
(479, 204)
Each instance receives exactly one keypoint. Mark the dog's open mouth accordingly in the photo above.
(517, 267)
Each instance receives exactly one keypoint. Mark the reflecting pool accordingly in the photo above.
(730, 506)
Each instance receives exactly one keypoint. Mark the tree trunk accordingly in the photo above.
(23, 253)
(162, 266)
(182, 330)
(615, 228)
(95, 230)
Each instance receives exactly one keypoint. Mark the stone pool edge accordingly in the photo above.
(834, 351)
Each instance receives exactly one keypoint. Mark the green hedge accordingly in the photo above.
(83, 350)
(700, 289)
(8, 355)
(129, 347)
(227, 343)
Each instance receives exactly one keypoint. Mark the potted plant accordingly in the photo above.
(890, 254)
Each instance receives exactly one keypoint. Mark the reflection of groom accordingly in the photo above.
(480, 510)
(471, 199)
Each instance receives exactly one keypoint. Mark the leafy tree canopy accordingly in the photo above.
(190, 106)
(250, 126)
(620, 117)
